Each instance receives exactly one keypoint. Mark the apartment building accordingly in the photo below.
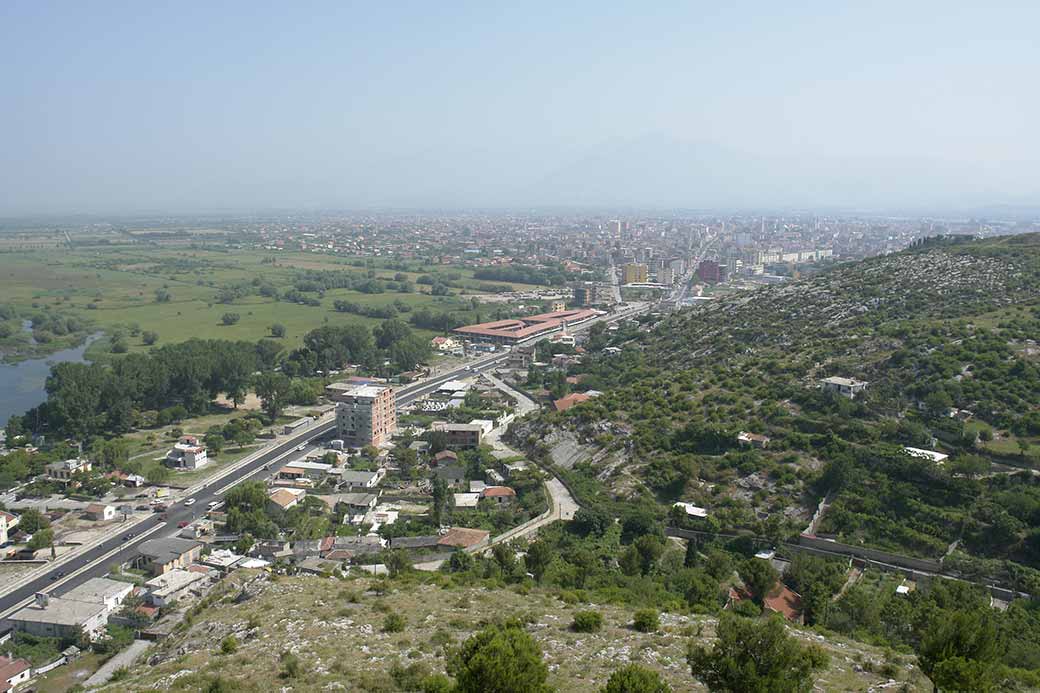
(365, 414)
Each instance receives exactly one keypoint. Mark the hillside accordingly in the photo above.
(944, 336)
(336, 629)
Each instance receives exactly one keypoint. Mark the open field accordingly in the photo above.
(115, 287)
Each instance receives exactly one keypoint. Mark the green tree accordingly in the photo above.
(649, 548)
(230, 318)
(32, 521)
(752, 656)
(961, 651)
(440, 500)
(148, 337)
(396, 562)
(539, 556)
(633, 678)
(760, 577)
(500, 658)
(272, 389)
(277, 330)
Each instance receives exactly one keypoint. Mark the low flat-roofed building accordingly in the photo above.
(163, 555)
(460, 436)
(691, 509)
(846, 387)
(53, 617)
(931, 455)
(99, 590)
(754, 440)
(65, 470)
(172, 585)
(467, 500)
(223, 560)
(351, 479)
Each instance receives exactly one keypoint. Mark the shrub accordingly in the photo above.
(646, 621)
(393, 623)
(291, 665)
(633, 678)
(229, 645)
(587, 622)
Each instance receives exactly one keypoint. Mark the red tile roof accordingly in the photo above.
(463, 538)
(9, 668)
(565, 403)
(496, 491)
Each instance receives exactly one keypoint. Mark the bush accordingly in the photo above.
(587, 622)
(393, 623)
(229, 645)
(633, 678)
(646, 621)
(291, 665)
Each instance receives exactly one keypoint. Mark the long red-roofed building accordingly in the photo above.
(519, 329)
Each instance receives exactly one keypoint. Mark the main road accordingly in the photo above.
(94, 561)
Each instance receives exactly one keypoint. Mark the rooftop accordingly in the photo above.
(166, 550)
(63, 612)
(96, 590)
(463, 537)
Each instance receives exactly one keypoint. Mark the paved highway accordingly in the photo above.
(71, 571)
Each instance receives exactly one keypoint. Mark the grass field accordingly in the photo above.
(115, 287)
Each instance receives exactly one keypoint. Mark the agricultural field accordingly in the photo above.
(183, 291)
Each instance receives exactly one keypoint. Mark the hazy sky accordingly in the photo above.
(112, 107)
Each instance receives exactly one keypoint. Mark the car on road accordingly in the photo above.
(302, 447)
(190, 501)
(213, 504)
(182, 524)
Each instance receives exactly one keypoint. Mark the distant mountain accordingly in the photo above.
(662, 171)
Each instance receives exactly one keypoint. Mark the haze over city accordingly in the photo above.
(243, 106)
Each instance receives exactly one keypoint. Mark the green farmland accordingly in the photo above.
(115, 287)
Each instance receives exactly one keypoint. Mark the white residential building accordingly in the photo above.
(187, 454)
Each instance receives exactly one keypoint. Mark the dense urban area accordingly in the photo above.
(580, 452)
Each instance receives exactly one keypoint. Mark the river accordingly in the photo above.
(21, 384)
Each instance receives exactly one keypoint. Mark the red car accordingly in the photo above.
(182, 524)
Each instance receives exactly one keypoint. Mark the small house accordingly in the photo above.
(100, 512)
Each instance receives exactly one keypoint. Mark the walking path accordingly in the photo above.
(122, 659)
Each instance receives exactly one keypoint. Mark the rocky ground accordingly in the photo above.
(336, 629)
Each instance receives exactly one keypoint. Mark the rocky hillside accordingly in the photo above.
(336, 631)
